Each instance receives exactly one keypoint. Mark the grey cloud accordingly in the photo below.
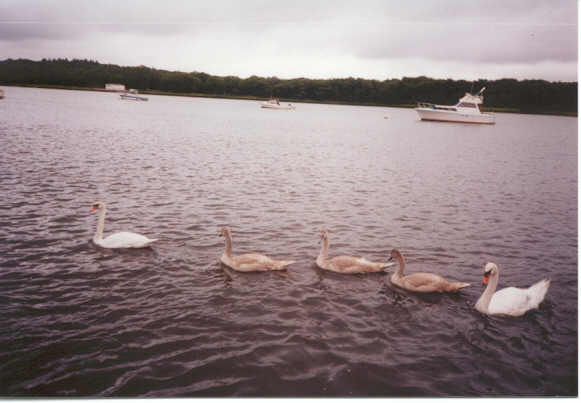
(301, 32)
(488, 43)
(23, 31)
(148, 29)
(517, 31)
(41, 19)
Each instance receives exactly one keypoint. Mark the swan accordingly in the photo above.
(118, 239)
(509, 301)
(346, 264)
(249, 261)
(421, 282)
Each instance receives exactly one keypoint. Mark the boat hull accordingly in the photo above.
(132, 97)
(454, 116)
(271, 106)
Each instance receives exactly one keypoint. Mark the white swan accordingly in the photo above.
(118, 239)
(346, 264)
(249, 261)
(421, 282)
(509, 301)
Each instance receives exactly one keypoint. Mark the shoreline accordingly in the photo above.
(306, 101)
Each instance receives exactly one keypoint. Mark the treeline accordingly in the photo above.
(524, 95)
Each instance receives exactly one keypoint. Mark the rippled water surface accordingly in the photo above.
(172, 321)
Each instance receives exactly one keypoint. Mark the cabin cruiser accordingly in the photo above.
(133, 95)
(465, 111)
(274, 103)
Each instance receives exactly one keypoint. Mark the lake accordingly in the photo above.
(172, 321)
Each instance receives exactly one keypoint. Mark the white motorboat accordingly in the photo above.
(133, 95)
(274, 103)
(465, 111)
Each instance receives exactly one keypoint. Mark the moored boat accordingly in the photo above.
(274, 103)
(133, 95)
(465, 111)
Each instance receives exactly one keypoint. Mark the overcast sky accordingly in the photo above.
(380, 39)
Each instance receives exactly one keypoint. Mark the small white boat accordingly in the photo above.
(274, 103)
(133, 95)
(465, 111)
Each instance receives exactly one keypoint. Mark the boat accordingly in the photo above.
(274, 103)
(465, 111)
(133, 95)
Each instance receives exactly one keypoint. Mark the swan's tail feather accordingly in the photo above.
(456, 286)
(384, 266)
(280, 265)
(539, 290)
(149, 242)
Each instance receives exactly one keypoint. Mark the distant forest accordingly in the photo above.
(529, 96)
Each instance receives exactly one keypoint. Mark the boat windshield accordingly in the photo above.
(466, 105)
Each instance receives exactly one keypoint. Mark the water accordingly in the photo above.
(77, 320)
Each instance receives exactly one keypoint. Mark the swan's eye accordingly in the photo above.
(487, 274)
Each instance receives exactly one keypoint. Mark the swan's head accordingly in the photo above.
(324, 234)
(489, 270)
(225, 232)
(395, 254)
(97, 206)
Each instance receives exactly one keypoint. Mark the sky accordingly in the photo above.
(373, 39)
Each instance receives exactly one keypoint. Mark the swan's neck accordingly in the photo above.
(228, 251)
(484, 300)
(324, 253)
(400, 267)
(100, 225)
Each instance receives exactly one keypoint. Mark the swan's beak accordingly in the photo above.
(485, 278)
(93, 208)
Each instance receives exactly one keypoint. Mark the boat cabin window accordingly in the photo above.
(466, 105)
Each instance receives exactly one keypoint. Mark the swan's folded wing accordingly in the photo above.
(510, 301)
(126, 240)
(250, 258)
(252, 262)
(423, 281)
(351, 264)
